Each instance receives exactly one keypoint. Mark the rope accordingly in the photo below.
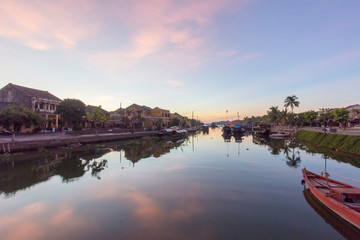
(344, 177)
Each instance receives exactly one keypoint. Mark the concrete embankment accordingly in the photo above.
(52, 140)
(338, 142)
(34, 142)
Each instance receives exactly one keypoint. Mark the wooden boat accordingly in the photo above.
(261, 128)
(237, 129)
(341, 198)
(227, 129)
(346, 229)
(279, 135)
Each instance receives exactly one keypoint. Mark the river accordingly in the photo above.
(202, 187)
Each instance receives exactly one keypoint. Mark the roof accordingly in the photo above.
(355, 106)
(133, 105)
(177, 114)
(35, 92)
(90, 108)
(118, 111)
(162, 109)
(146, 108)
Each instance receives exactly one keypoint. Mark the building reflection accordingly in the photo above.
(20, 172)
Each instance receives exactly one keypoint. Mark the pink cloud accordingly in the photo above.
(41, 220)
(46, 24)
(173, 31)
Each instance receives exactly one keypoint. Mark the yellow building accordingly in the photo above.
(160, 116)
(138, 116)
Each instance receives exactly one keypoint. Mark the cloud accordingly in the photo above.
(173, 83)
(46, 25)
(166, 30)
(39, 220)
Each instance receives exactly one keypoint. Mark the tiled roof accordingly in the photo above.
(90, 108)
(355, 106)
(36, 93)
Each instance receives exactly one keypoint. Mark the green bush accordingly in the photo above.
(77, 127)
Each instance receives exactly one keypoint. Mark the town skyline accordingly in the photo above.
(206, 57)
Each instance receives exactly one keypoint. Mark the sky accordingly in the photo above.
(202, 57)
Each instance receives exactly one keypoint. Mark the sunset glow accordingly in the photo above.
(205, 56)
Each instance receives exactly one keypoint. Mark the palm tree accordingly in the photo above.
(292, 102)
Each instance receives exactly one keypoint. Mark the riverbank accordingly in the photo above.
(52, 140)
(61, 139)
(339, 142)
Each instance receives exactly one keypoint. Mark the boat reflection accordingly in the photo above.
(341, 226)
(227, 137)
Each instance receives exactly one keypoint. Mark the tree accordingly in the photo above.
(292, 102)
(174, 122)
(341, 115)
(96, 116)
(71, 111)
(16, 116)
(300, 119)
(325, 115)
(273, 115)
(310, 116)
(283, 117)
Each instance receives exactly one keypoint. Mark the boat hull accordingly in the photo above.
(350, 215)
(346, 229)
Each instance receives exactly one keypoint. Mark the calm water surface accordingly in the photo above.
(205, 187)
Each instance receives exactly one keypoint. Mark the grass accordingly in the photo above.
(339, 142)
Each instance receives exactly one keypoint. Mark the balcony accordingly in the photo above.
(45, 111)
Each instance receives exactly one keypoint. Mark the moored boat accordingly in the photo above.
(343, 199)
(279, 135)
(346, 229)
(261, 128)
(227, 129)
(237, 129)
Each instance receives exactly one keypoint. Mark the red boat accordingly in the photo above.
(341, 198)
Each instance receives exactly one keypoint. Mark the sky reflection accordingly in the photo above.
(204, 188)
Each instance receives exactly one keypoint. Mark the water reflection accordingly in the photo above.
(340, 225)
(227, 137)
(287, 146)
(149, 189)
(18, 172)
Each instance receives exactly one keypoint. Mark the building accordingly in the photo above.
(354, 111)
(161, 117)
(138, 116)
(116, 118)
(40, 101)
(89, 109)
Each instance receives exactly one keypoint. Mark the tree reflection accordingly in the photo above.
(21, 172)
(287, 147)
(293, 160)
